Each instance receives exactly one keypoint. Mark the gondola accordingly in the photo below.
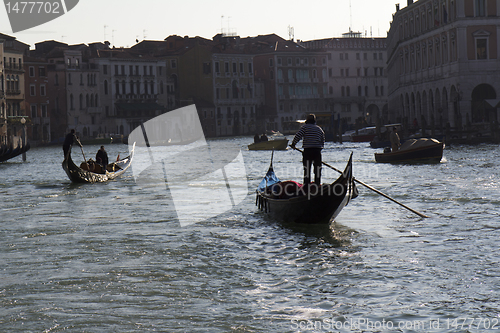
(289, 201)
(6, 153)
(90, 172)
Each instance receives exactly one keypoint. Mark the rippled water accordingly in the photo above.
(113, 258)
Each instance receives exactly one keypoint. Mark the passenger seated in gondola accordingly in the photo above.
(102, 158)
(256, 138)
(286, 189)
(264, 137)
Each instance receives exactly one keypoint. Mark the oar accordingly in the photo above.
(85, 159)
(374, 190)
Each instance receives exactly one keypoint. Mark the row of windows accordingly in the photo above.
(33, 90)
(12, 82)
(376, 56)
(236, 113)
(34, 110)
(233, 92)
(366, 71)
(298, 61)
(91, 79)
(12, 64)
(91, 100)
(345, 91)
(133, 87)
(41, 71)
(133, 70)
(11, 110)
(230, 67)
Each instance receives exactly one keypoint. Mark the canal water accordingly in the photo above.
(113, 257)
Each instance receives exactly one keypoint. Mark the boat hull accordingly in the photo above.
(428, 154)
(79, 175)
(279, 144)
(319, 205)
(8, 153)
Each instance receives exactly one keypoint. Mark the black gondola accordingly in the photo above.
(7, 152)
(289, 201)
(90, 172)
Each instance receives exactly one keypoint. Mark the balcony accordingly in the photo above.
(13, 92)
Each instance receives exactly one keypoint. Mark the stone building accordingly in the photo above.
(443, 64)
(12, 93)
(357, 78)
(37, 100)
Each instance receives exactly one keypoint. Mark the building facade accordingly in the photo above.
(37, 101)
(357, 78)
(443, 64)
(12, 93)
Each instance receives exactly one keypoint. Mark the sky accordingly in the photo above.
(122, 22)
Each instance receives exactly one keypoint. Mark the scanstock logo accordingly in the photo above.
(24, 15)
(172, 160)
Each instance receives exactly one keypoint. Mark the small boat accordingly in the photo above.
(421, 150)
(289, 201)
(6, 152)
(366, 134)
(91, 172)
(276, 144)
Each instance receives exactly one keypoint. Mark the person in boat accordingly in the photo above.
(101, 158)
(264, 138)
(256, 138)
(394, 138)
(68, 142)
(313, 142)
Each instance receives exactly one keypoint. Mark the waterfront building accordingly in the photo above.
(356, 79)
(12, 93)
(233, 84)
(444, 65)
(37, 101)
(130, 88)
(294, 80)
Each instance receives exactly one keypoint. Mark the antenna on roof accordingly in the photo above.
(350, 16)
(105, 26)
(291, 34)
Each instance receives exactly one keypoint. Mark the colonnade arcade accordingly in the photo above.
(449, 106)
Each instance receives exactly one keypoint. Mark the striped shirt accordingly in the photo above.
(313, 136)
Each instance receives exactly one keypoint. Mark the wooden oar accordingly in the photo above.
(374, 190)
(85, 159)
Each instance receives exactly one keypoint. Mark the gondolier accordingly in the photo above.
(69, 140)
(313, 142)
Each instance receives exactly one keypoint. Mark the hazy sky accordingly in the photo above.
(128, 20)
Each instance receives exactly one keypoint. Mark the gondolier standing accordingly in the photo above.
(314, 141)
(68, 142)
(394, 137)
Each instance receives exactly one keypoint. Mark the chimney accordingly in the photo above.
(397, 7)
(410, 2)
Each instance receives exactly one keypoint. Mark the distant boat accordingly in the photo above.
(421, 150)
(90, 172)
(366, 134)
(8, 152)
(289, 201)
(277, 141)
